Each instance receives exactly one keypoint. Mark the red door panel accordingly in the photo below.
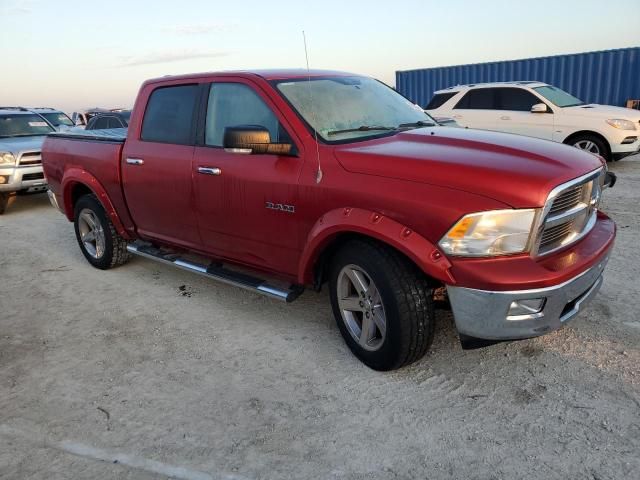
(232, 208)
(159, 191)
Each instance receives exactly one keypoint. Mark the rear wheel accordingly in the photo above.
(383, 305)
(4, 201)
(591, 144)
(99, 241)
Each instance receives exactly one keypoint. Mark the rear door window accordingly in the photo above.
(478, 99)
(170, 114)
(438, 100)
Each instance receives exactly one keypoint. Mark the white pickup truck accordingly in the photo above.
(540, 110)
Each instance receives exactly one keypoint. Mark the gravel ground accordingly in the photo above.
(150, 372)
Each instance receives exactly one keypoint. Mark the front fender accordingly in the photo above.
(375, 225)
(75, 176)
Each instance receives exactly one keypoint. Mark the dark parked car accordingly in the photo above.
(102, 121)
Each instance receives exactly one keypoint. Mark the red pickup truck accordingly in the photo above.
(276, 180)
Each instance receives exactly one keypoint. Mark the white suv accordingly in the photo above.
(543, 111)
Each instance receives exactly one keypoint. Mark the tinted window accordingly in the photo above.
(98, 123)
(115, 122)
(235, 104)
(169, 115)
(438, 100)
(478, 99)
(516, 99)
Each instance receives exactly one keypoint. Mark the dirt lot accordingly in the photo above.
(150, 372)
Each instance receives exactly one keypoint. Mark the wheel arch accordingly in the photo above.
(339, 226)
(591, 133)
(79, 182)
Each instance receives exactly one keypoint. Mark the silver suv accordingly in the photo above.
(21, 136)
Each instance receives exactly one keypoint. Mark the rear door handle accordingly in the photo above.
(210, 170)
(135, 161)
(505, 117)
(457, 116)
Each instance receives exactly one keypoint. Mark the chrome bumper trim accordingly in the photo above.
(484, 314)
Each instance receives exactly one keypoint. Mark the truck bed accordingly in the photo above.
(105, 135)
(87, 157)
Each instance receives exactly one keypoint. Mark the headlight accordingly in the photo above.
(498, 232)
(621, 124)
(7, 158)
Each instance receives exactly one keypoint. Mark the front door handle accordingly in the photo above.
(135, 161)
(505, 117)
(210, 170)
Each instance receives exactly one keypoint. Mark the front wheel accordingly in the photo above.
(591, 144)
(382, 303)
(99, 241)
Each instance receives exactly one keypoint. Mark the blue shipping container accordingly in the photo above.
(609, 77)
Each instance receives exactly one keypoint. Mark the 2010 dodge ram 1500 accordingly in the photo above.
(281, 179)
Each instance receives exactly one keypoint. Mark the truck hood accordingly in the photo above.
(515, 170)
(604, 111)
(17, 145)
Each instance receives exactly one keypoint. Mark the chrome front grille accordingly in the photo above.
(30, 158)
(567, 199)
(569, 213)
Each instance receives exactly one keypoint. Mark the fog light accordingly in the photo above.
(629, 140)
(3, 179)
(526, 308)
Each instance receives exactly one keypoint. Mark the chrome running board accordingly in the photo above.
(217, 272)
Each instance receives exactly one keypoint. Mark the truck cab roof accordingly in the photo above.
(267, 74)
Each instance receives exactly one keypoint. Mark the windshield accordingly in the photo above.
(558, 97)
(57, 119)
(342, 104)
(23, 125)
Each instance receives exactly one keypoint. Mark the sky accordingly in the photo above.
(73, 54)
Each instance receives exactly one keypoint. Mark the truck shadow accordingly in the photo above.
(29, 202)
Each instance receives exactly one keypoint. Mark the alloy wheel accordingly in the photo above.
(361, 307)
(91, 233)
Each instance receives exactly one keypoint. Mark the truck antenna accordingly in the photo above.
(313, 111)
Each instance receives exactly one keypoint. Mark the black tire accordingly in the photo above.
(115, 247)
(407, 299)
(602, 147)
(4, 201)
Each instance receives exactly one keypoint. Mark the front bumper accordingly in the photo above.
(484, 314)
(19, 178)
(620, 143)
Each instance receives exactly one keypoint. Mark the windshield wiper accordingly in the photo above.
(419, 123)
(361, 128)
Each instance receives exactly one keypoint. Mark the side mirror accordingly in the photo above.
(252, 139)
(539, 108)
